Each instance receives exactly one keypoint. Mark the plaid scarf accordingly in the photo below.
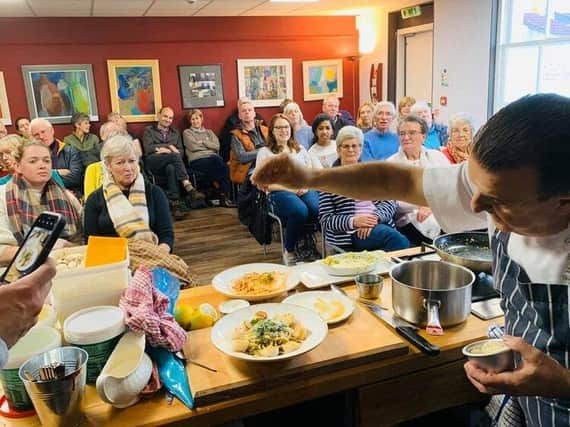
(129, 216)
(23, 207)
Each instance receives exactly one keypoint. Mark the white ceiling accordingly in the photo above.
(134, 8)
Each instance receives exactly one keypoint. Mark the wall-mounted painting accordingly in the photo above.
(135, 88)
(321, 78)
(267, 82)
(56, 92)
(201, 86)
(4, 108)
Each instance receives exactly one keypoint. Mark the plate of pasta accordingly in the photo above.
(255, 282)
(269, 332)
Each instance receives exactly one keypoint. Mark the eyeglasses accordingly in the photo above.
(281, 127)
(350, 146)
(411, 133)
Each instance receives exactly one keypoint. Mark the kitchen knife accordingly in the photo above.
(403, 329)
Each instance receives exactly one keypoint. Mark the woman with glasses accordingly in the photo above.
(294, 208)
(357, 224)
(416, 222)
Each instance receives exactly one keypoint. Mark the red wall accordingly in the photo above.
(177, 41)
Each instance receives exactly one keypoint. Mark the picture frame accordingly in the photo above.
(134, 86)
(56, 92)
(322, 78)
(4, 107)
(266, 82)
(201, 86)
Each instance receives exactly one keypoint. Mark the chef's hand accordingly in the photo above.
(282, 170)
(364, 220)
(363, 233)
(423, 213)
(538, 374)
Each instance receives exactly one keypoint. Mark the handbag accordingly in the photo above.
(260, 222)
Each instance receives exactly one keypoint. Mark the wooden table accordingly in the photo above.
(392, 380)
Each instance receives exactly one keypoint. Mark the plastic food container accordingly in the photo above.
(96, 330)
(38, 340)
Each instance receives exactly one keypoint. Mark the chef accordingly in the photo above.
(517, 183)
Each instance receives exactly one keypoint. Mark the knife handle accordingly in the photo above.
(420, 342)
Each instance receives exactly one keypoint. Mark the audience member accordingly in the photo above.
(294, 208)
(357, 224)
(30, 192)
(65, 160)
(8, 145)
(202, 147)
(437, 133)
(232, 122)
(3, 130)
(284, 103)
(303, 132)
(331, 105)
(405, 105)
(86, 143)
(461, 137)
(115, 117)
(323, 151)
(23, 128)
(417, 223)
(364, 117)
(380, 142)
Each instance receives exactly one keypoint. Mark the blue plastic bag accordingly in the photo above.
(168, 285)
(172, 374)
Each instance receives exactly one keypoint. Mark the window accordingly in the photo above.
(533, 49)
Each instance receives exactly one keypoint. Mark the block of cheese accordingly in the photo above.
(105, 250)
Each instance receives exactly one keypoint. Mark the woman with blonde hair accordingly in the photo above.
(405, 106)
(8, 146)
(303, 132)
(365, 116)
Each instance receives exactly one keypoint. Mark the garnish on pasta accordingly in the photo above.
(260, 283)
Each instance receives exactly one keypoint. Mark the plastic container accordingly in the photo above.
(38, 340)
(84, 287)
(96, 330)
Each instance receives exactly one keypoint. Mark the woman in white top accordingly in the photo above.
(417, 223)
(303, 132)
(294, 208)
(323, 149)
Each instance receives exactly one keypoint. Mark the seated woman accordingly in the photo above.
(202, 147)
(127, 206)
(405, 106)
(365, 116)
(303, 132)
(417, 223)
(30, 192)
(323, 151)
(8, 145)
(23, 128)
(86, 143)
(295, 209)
(460, 138)
(357, 224)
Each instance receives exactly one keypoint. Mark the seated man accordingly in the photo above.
(380, 142)
(339, 119)
(437, 134)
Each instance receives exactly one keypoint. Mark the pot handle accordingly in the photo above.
(433, 325)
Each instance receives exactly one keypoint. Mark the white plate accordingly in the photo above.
(314, 276)
(222, 282)
(373, 257)
(225, 327)
(308, 300)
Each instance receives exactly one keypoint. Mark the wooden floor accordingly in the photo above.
(212, 239)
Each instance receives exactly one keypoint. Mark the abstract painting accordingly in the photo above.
(4, 108)
(321, 78)
(201, 86)
(135, 88)
(56, 92)
(267, 82)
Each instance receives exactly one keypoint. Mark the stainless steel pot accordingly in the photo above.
(431, 292)
(469, 249)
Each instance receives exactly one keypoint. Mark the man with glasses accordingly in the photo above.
(380, 142)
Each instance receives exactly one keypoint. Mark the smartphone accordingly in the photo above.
(36, 246)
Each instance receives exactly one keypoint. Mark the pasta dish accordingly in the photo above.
(260, 283)
(264, 337)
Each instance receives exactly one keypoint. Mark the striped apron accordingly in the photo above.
(539, 313)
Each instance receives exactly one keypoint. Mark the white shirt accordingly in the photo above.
(302, 157)
(325, 156)
(449, 191)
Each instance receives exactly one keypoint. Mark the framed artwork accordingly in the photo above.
(321, 78)
(135, 88)
(267, 82)
(56, 92)
(201, 86)
(4, 108)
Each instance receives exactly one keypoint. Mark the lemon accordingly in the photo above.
(200, 320)
(183, 314)
(209, 310)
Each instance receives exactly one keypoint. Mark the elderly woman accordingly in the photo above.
(405, 105)
(436, 136)
(202, 150)
(323, 151)
(8, 146)
(364, 117)
(30, 192)
(303, 132)
(295, 209)
(86, 143)
(358, 224)
(417, 223)
(23, 128)
(461, 137)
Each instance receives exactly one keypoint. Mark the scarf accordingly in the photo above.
(129, 215)
(459, 151)
(23, 207)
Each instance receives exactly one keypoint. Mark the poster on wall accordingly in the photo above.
(56, 92)
(201, 86)
(321, 78)
(4, 108)
(267, 82)
(134, 86)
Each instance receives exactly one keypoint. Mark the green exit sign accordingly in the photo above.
(411, 12)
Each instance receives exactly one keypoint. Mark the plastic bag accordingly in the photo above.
(167, 284)
(172, 374)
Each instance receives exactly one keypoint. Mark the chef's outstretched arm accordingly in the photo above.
(364, 181)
